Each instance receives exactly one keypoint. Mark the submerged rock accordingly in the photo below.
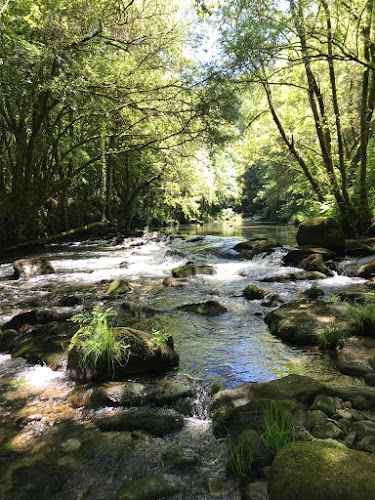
(192, 270)
(145, 355)
(150, 487)
(323, 232)
(209, 308)
(155, 422)
(27, 268)
(315, 471)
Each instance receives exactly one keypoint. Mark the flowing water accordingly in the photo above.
(232, 348)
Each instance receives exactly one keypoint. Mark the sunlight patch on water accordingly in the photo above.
(40, 376)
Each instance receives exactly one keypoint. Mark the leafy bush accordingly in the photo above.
(334, 298)
(333, 335)
(240, 458)
(96, 342)
(160, 338)
(280, 428)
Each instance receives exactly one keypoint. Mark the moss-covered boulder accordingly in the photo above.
(253, 292)
(119, 286)
(192, 270)
(358, 248)
(145, 355)
(366, 270)
(316, 471)
(315, 262)
(323, 232)
(295, 255)
(150, 487)
(302, 323)
(325, 404)
(251, 248)
(26, 268)
(155, 422)
(209, 308)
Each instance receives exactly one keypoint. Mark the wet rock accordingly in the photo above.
(366, 270)
(325, 404)
(315, 262)
(302, 276)
(176, 282)
(352, 369)
(155, 422)
(296, 255)
(124, 265)
(119, 287)
(370, 379)
(180, 458)
(361, 398)
(301, 323)
(137, 311)
(70, 301)
(313, 293)
(314, 471)
(150, 487)
(27, 268)
(272, 300)
(256, 491)
(323, 232)
(145, 355)
(358, 248)
(253, 292)
(192, 270)
(37, 317)
(251, 248)
(209, 308)
(214, 484)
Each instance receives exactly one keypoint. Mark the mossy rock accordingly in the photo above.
(366, 270)
(145, 356)
(119, 287)
(291, 387)
(352, 369)
(358, 248)
(313, 293)
(192, 270)
(315, 262)
(253, 292)
(209, 308)
(316, 471)
(155, 422)
(251, 248)
(367, 444)
(325, 404)
(361, 398)
(323, 232)
(151, 487)
(296, 255)
(302, 323)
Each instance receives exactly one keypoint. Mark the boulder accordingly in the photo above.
(209, 308)
(324, 404)
(27, 268)
(323, 232)
(316, 471)
(363, 429)
(302, 323)
(156, 422)
(366, 270)
(37, 317)
(253, 292)
(251, 248)
(357, 248)
(192, 270)
(119, 287)
(352, 369)
(315, 262)
(296, 255)
(145, 356)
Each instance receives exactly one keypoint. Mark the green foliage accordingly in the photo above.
(333, 335)
(364, 314)
(96, 342)
(334, 298)
(160, 338)
(280, 428)
(240, 458)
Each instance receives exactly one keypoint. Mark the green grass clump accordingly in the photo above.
(96, 342)
(240, 458)
(313, 292)
(334, 299)
(160, 338)
(333, 335)
(280, 428)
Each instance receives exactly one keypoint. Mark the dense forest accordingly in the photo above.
(108, 112)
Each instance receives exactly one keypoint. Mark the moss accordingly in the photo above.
(252, 292)
(192, 270)
(315, 471)
(150, 487)
(119, 287)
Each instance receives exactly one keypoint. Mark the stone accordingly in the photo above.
(27, 268)
(344, 414)
(145, 356)
(315, 471)
(370, 379)
(357, 248)
(214, 484)
(316, 418)
(296, 255)
(323, 232)
(313, 292)
(361, 398)
(300, 276)
(150, 487)
(352, 369)
(367, 444)
(256, 491)
(251, 248)
(192, 270)
(350, 439)
(315, 262)
(302, 322)
(37, 317)
(155, 422)
(253, 292)
(325, 404)
(209, 308)
(366, 270)
(363, 429)
(119, 287)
